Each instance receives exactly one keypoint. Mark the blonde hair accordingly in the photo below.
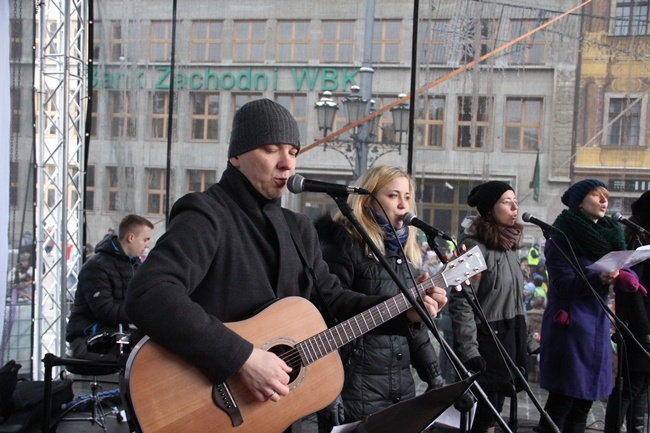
(373, 180)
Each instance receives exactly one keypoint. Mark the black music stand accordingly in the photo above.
(415, 414)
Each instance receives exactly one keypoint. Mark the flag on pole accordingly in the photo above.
(535, 184)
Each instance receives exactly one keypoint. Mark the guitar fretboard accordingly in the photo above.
(316, 347)
(331, 339)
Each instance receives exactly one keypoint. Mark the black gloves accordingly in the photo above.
(476, 364)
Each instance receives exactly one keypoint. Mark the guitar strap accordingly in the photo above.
(297, 240)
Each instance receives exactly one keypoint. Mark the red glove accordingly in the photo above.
(561, 317)
(628, 282)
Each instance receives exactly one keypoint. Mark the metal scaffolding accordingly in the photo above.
(61, 50)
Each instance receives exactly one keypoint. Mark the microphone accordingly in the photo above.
(297, 184)
(411, 220)
(635, 227)
(529, 218)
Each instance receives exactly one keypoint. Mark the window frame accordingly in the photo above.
(298, 47)
(523, 124)
(251, 43)
(207, 42)
(641, 116)
(337, 43)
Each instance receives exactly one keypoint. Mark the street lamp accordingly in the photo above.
(326, 110)
(401, 117)
(365, 136)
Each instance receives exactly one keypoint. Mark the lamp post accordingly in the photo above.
(364, 137)
(359, 104)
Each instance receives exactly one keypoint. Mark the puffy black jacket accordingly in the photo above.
(99, 299)
(377, 365)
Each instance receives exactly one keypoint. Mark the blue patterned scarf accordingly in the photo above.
(390, 241)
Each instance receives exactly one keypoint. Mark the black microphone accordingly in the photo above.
(529, 218)
(635, 227)
(297, 184)
(411, 220)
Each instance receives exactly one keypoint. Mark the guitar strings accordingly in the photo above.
(393, 307)
(374, 315)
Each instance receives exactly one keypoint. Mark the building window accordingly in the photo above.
(631, 18)
(443, 204)
(297, 106)
(122, 113)
(94, 102)
(433, 40)
(293, 41)
(50, 38)
(240, 99)
(16, 40)
(51, 116)
(472, 121)
(156, 190)
(249, 41)
(430, 120)
(123, 37)
(530, 51)
(383, 127)
(206, 41)
(337, 41)
(161, 41)
(89, 195)
(205, 116)
(160, 115)
(199, 180)
(120, 186)
(477, 39)
(16, 94)
(387, 37)
(314, 204)
(623, 122)
(13, 184)
(523, 123)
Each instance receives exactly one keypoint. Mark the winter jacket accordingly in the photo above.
(377, 364)
(99, 299)
(499, 292)
(226, 254)
(575, 357)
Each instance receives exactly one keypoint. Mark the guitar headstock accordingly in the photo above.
(464, 267)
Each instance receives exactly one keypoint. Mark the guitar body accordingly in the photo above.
(167, 394)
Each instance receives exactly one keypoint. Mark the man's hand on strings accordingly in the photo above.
(265, 375)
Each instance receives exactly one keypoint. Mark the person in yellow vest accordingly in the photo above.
(533, 255)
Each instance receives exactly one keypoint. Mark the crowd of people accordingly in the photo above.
(539, 313)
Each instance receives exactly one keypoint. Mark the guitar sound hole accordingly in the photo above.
(289, 355)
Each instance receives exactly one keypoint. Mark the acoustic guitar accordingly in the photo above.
(167, 394)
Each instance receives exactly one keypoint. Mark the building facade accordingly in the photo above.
(612, 109)
(487, 122)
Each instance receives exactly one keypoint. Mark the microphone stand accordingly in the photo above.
(510, 363)
(512, 367)
(620, 326)
(346, 210)
(431, 240)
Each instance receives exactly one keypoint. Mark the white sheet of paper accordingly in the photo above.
(451, 417)
(621, 259)
(345, 427)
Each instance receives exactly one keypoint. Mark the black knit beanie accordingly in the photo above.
(261, 122)
(641, 207)
(577, 192)
(485, 195)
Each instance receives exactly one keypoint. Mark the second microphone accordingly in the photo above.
(411, 220)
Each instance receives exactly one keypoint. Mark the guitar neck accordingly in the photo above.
(322, 344)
